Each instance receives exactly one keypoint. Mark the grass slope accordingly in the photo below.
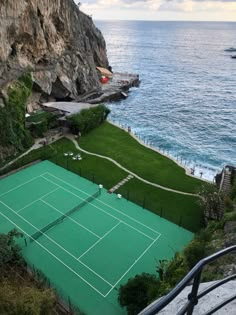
(174, 207)
(111, 141)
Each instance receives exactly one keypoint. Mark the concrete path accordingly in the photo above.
(38, 144)
(121, 183)
(71, 137)
(35, 146)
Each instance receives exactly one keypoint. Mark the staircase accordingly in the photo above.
(225, 185)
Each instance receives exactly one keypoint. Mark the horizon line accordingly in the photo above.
(140, 20)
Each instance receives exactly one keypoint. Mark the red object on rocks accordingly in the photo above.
(104, 80)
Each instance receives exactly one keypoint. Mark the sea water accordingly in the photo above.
(186, 103)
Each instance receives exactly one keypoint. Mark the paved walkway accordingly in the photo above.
(121, 183)
(38, 144)
(35, 146)
(71, 137)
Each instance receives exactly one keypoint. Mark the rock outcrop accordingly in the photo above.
(55, 41)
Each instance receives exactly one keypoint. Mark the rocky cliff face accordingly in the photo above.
(54, 40)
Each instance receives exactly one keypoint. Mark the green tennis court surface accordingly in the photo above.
(87, 246)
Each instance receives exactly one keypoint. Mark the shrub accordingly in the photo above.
(37, 129)
(194, 252)
(12, 116)
(88, 119)
(138, 292)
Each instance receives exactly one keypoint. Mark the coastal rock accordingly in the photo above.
(55, 41)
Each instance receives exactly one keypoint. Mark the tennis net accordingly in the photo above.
(62, 217)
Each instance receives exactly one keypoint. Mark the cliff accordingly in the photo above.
(55, 41)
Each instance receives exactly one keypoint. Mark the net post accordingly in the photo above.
(100, 187)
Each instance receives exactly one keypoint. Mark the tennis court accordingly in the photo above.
(86, 241)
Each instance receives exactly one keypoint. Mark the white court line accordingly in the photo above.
(54, 255)
(38, 199)
(98, 241)
(126, 215)
(70, 218)
(130, 226)
(23, 184)
(132, 266)
(55, 243)
(100, 209)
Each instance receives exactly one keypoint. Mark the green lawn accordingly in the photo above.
(174, 207)
(111, 141)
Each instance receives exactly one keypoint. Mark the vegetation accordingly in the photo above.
(138, 292)
(9, 250)
(210, 201)
(88, 119)
(40, 121)
(169, 273)
(12, 116)
(117, 144)
(19, 293)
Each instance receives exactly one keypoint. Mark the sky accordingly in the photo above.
(170, 10)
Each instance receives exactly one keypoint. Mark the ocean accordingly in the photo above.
(186, 103)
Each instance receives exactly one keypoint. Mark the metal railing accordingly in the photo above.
(194, 296)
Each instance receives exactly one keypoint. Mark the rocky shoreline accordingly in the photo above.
(115, 89)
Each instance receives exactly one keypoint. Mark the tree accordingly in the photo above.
(211, 200)
(88, 119)
(194, 252)
(19, 296)
(9, 250)
(161, 268)
(138, 292)
(16, 299)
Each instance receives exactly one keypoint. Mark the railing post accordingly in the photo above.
(192, 297)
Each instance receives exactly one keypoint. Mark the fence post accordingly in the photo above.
(70, 306)
(180, 220)
(127, 195)
(144, 202)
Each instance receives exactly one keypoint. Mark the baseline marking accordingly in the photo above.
(98, 240)
(126, 215)
(70, 218)
(132, 265)
(55, 243)
(104, 210)
(54, 256)
(39, 199)
(23, 184)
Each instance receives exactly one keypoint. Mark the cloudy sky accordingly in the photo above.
(190, 10)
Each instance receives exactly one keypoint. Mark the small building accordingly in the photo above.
(65, 109)
(105, 72)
